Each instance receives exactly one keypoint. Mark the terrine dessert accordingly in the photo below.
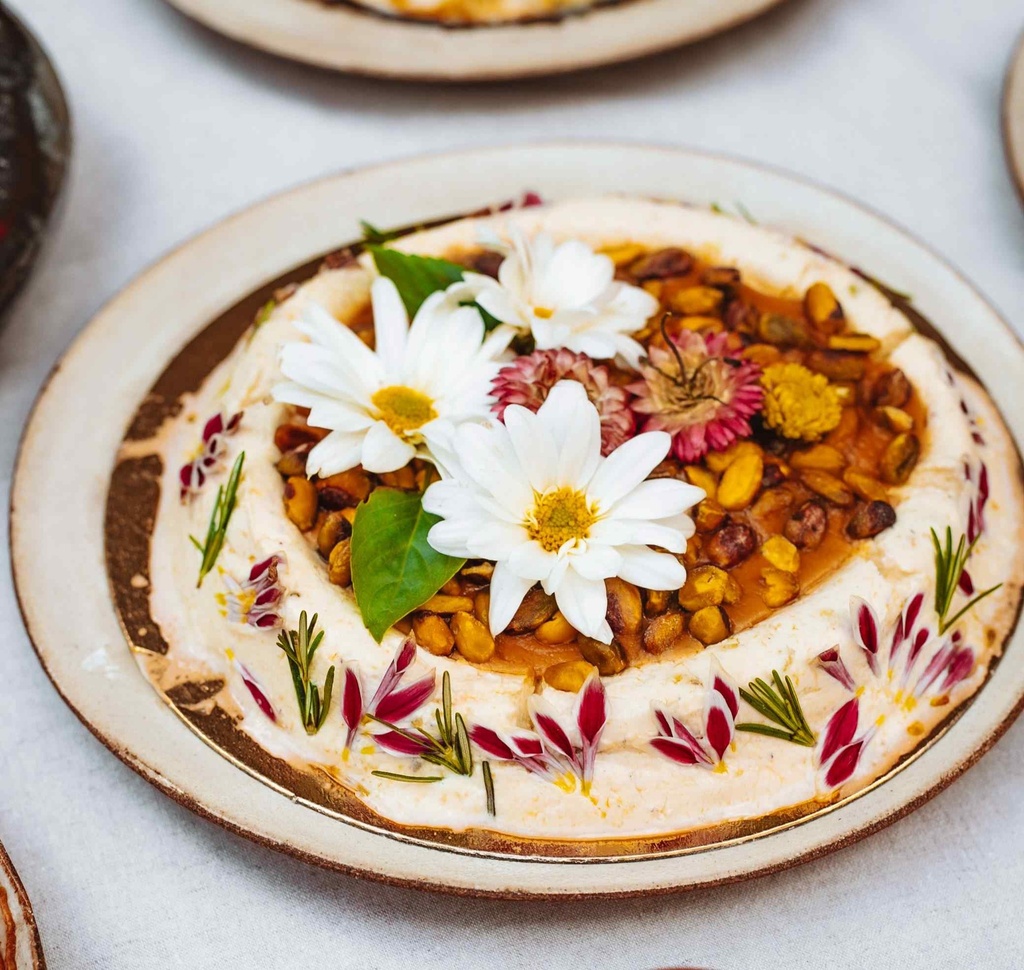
(602, 520)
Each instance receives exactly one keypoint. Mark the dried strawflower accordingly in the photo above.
(798, 403)
(698, 393)
(528, 380)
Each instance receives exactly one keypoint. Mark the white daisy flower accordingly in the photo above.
(566, 295)
(385, 406)
(534, 496)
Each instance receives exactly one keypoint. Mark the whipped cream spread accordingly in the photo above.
(636, 791)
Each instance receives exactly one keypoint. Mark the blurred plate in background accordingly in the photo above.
(20, 948)
(1013, 117)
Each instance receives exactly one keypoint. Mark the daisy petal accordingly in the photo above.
(384, 451)
(583, 603)
(627, 467)
(507, 593)
(652, 570)
(390, 324)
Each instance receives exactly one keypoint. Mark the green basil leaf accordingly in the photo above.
(394, 568)
(415, 276)
(371, 234)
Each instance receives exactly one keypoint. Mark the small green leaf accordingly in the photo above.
(377, 237)
(394, 568)
(415, 276)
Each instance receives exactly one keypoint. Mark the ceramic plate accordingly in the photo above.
(228, 270)
(35, 142)
(20, 948)
(1013, 117)
(347, 36)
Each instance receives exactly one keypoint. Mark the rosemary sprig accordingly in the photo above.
(489, 788)
(223, 506)
(950, 563)
(780, 705)
(300, 647)
(415, 779)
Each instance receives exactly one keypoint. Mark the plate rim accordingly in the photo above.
(194, 803)
(437, 68)
(31, 924)
(1012, 102)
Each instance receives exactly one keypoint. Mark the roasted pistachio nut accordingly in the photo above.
(731, 544)
(835, 490)
(719, 461)
(780, 587)
(625, 607)
(292, 463)
(707, 586)
(556, 630)
(771, 503)
(741, 482)
(300, 502)
(837, 365)
(482, 606)
(870, 518)
(860, 343)
(664, 632)
(865, 487)
(823, 309)
(608, 658)
(351, 487)
(288, 437)
(782, 331)
(781, 553)
(710, 625)
(822, 457)
(892, 389)
(569, 676)
(662, 264)
(701, 477)
(708, 516)
(472, 639)
(895, 419)
(333, 528)
(339, 564)
(723, 276)
(445, 603)
(697, 301)
(656, 601)
(536, 608)
(433, 634)
(899, 458)
(478, 573)
(774, 474)
(806, 527)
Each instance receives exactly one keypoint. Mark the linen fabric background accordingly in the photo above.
(895, 102)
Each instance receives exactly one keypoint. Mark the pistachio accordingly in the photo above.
(609, 658)
(339, 564)
(333, 529)
(444, 603)
(860, 343)
(708, 516)
(823, 309)
(707, 586)
(624, 254)
(482, 606)
(763, 354)
(899, 458)
(699, 301)
(536, 608)
(664, 632)
(837, 365)
(300, 501)
(486, 262)
(555, 630)
(472, 639)
(656, 601)
(849, 424)
(478, 573)
(702, 478)
(781, 553)
(719, 461)
(702, 324)
(870, 518)
(404, 478)
(770, 505)
(731, 544)
(774, 474)
(723, 276)
(741, 317)
(709, 625)
(432, 633)
(625, 609)
(821, 457)
(693, 552)
(662, 264)
(865, 487)
(569, 676)
(288, 437)
(780, 587)
(292, 463)
(806, 527)
(892, 390)
(835, 490)
(782, 331)
(352, 486)
(741, 481)
(452, 588)
(895, 419)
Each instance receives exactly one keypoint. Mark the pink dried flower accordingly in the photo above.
(721, 705)
(529, 379)
(390, 701)
(839, 752)
(256, 600)
(210, 455)
(698, 393)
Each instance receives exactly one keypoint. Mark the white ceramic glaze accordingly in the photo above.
(82, 418)
(350, 38)
(1013, 117)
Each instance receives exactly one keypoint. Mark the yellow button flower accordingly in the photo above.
(798, 403)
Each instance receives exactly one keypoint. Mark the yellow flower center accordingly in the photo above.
(799, 403)
(403, 409)
(559, 517)
(543, 312)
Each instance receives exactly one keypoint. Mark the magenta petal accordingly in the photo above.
(831, 662)
(844, 764)
(865, 630)
(553, 733)
(399, 743)
(721, 685)
(214, 426)
(405, 656)
(352, 702)
(935, 668)
(676, 750)
(491, 743)
(839, 731)
(959, 668)
(400, 704)
(261, 699)
(966, 584)
(719, 726)
(591, 713)
(527, 745)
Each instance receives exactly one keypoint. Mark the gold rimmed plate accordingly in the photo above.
(354, 37)
(20, 948)
(83, 415)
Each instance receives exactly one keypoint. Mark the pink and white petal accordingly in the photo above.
(627, 467)
(719, 726)
(338, 452)
(583, 603)
(384, 451)
(390, 326)
(659, 498)
(644, 567)
(507, 592)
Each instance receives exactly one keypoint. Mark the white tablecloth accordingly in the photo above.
(896, 102)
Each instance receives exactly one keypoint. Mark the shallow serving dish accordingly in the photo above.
(84, 652)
